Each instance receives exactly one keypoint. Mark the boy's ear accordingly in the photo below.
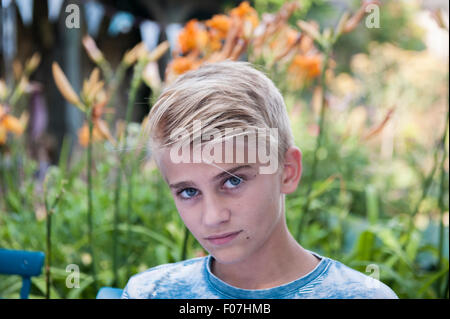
(292, 170)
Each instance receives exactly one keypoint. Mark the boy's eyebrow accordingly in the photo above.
(186, 184)
(230, 171)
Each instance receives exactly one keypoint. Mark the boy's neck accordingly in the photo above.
(280, 261)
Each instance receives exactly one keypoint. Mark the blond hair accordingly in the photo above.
(221, 95)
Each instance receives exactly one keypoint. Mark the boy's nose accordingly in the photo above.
(214, 211)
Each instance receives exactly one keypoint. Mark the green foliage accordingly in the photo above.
(360, 204)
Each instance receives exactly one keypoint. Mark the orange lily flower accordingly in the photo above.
(100, 130)
(303, 69)
(9, 123)
(219, 26)
(220, 23)
(310, 65)
(192, 37)
(246, 13)
(180, 65)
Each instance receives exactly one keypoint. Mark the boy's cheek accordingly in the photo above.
(190, 218)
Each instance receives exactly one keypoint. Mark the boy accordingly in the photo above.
(230, 200)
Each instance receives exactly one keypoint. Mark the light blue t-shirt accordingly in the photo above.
(193, 279)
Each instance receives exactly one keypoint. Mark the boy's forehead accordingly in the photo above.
(256, 149)
(217, 152)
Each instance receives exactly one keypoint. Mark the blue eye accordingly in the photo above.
(233, 182)
(188, 193)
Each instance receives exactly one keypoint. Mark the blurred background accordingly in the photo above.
(365, 84)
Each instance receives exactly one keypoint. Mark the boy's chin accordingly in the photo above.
(228, 256)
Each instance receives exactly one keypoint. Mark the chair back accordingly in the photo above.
(109, 293)
(23, 263)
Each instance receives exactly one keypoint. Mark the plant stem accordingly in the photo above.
(426, 186)
(428, 181)
(115, 84)
(89, 190)
(49, 247)
(129, 208)
(2, 179)
(135, 83)
(118, 186)
(445, 291)
(302, 219)
(16, 95)
(106, 69)
(185, 240)
(49, 210)
(441, 195)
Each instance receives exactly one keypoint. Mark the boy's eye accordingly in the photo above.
(188, 193)
(232, 182)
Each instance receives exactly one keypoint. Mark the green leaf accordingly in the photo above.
(322, 187)
(372, 204)
(149, 233)
(412, 247)
(75, 293)
(14, 202)
(161, 254)
(10, 285)
(431, 279)
(391, 242)
(365, 245)
(40, 283)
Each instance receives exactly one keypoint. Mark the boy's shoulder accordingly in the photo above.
(157, 280)
(343, 282)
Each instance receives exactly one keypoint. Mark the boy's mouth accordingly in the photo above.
(222, 239)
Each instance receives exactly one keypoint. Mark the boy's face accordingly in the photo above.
(221, 199)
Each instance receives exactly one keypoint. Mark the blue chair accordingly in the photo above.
(109, 293)
(23, 263)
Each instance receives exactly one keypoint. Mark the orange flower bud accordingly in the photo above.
(17, 69)
(83, 135)
(12, 124)
(64, 86)
(135, 53)
(354, 20)
(32, 63)
(151, 76)
(437, 16)
(159, 51)
(92, 50)
(309, 29)
(2, 135)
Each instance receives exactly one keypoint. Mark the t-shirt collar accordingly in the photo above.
(276, 292)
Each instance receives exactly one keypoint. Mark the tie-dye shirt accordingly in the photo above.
(193, 279)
